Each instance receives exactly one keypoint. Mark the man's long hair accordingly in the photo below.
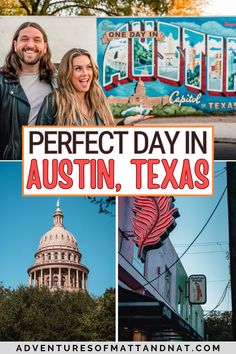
(65, 98)
(12, 66)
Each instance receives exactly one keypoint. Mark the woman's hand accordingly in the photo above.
(131, 120)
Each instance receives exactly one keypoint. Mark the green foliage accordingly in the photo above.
(82, 7)
(175, 110)
(142, 56)
(36, 314)
(218, 326)
(117, 109)
(100, 325)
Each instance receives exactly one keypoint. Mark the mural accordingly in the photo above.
(168, 66)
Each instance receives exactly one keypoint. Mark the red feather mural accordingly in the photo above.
(153, 221)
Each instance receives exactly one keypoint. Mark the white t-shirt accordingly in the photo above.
(35, 91)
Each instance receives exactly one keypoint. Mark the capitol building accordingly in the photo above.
(58, 260)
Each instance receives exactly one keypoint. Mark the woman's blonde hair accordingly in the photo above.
(65, 96)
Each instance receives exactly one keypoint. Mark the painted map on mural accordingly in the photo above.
(168, 66)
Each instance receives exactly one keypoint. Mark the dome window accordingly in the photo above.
(63, 280)
(49, 256)
(47, 281)
(56, 255)
(55, 280)
(63, 255)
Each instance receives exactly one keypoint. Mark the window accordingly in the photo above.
(63, 255)
(63, 280)
(139, 335)
(55, 280)
(49, 256)
(167, 293)
(43, 256)
(180, 301)
(137, 263)
(69, 255)
(55, 255)
(80, 280)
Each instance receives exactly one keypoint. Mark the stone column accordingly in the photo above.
(68, 280)
(59, 277)
(77, 278)
(82, 280)
(41, 277)
(50, 277)
(30, 279)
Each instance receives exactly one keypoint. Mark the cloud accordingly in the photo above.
(209, 27)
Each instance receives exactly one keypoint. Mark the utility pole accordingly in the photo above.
(231, 182)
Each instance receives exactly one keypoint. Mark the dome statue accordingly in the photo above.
(58, 260)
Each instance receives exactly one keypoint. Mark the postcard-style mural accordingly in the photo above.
(168, 66)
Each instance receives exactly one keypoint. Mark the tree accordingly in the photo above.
(100, 324)
(218, 326)
(105, 204)
(186, 7)
(9, 7)
(37, 314)
(83, 7)
(105, 316)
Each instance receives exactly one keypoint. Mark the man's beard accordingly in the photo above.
(29, 61)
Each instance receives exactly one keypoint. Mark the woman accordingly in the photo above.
(79, 99)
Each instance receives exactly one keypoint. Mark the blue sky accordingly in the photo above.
(208, 254)
(24, 220)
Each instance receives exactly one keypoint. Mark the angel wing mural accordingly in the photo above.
(153, 221)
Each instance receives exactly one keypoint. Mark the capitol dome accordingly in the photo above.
(57, 260)
(58, 236)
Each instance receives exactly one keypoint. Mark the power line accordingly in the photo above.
(190, 245)
(169, 304)
(220, 170)
(216, 281)
(203, 252)
(221, 298)
(219, 173)
(215, 243)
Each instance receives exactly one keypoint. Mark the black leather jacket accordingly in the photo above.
(14, 113)
(47, 112)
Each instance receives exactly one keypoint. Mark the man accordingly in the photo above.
(25, 79)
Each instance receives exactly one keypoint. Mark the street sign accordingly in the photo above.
(197, 289)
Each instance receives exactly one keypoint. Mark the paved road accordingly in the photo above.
(225, 151)
(224, 132)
